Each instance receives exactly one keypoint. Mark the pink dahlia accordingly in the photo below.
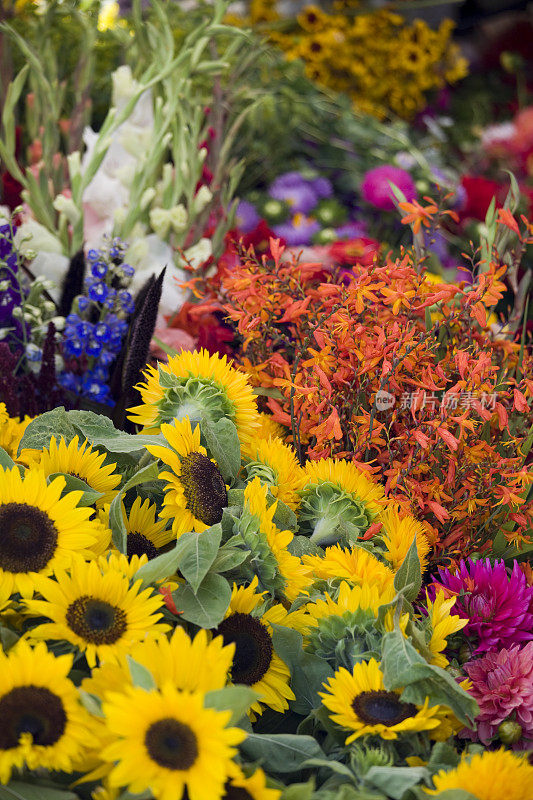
(498, 605)
(503, 688)
(376, 188)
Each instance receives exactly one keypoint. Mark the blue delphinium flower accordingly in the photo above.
(95, 330)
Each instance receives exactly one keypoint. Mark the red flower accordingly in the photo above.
(479, 194)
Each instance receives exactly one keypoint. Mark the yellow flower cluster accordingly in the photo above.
(384, 64)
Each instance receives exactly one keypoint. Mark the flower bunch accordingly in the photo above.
(401, 374)
(94, 332)
(170, 598)
(385, 64)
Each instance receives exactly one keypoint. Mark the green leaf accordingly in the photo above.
(8, 638)
(197, 553)
(332, 764)
(404, 668)
(160, 567)
(281, 752)
(100, 432)
(308, 671)
(206, 607)
(302, 546)
(16, 790)
(236, 699)
(222, 441)
(299, 791)
(395, 781)
(236, 497)
(443, 756)
(73, 484)
(409, 575)
(40, 430)
(116, 520)
(285, 518)
(5, 459)
(228, 558)
(140, 676)
(427, 319)
(92, 703)
(453, 794)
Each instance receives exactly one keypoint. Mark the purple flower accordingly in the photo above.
(246, 217)
(376, 189)
(300, 197)
(322, 187)
(503, 687)
(498, 605)
(351, 230)
(288, 181)
(297, 231)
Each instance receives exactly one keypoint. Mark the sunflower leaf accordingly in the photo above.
(140, 676)
(284, 518)
(404, 668)
(92, 703)
(409, 575)
(228, 558)
(236, 699)
(222, 441)
(16, 790)
(308, 671)
(73, 484)
(206, 607)
(396, 780)
(116, 520)
(197, 551)
(100, 432)
(5, 459)
(281, 752)
(40, 430)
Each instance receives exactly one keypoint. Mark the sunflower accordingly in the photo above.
(360, 703)
(338, 497)
(41, 531)
(43, 725)
(195, 494)
(168, 741)
(11, 431)
(443, 624)
(355, 564)
(255, 662)
(492, 775)
(145, 535)
(345, 630)
(239, 787)
(98, 613)
(279, 571)
(267, 427)
(80, 461)
(196, 384)
(113, 561)
(276, 465)
(398, 533)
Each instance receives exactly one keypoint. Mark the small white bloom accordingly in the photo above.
(202, 199)
(199, 252)
(65, 205)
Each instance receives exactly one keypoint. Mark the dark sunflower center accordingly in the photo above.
(139, 545)
(171, 744)
(28, 538)
(235, 793)
(204, 488)
(253, 647)
(96, 621)
(33, 710)
(382, 708)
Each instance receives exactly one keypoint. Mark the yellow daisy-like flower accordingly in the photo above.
(449, 725)
(337, 495)
(278, 569)
(492, 775)
(255, 662)
(239, 787)
(99, 613)
(145, 535)
(195, 494)
(195, 384)
(11, 431)
(267, 428)
(113, 561)
(360, 703)
(398, 533)
(44, 726)
(354, 564)
(443, 624)
(167, 741)
(80, 461)
(41, 531)
(275, 464)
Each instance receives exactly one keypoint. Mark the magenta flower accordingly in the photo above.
(503, 688)
(376, 189)
(498, 605)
